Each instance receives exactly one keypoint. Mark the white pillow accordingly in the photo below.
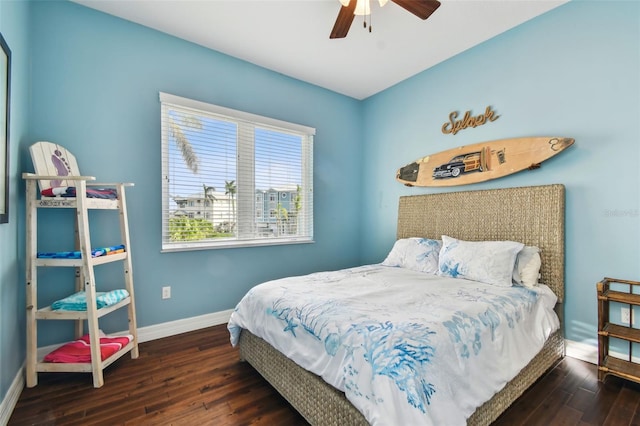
(490, 262)
(417, 254)
(527, 268)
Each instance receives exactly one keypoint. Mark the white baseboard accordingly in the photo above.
(581, 351)
(11, 398)
(172, 328)
(145, 334)
(589, 353)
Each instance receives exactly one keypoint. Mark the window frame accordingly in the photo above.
(308, 133)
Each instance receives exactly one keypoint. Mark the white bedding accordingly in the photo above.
(406, 347)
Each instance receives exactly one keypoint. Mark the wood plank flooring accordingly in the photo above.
(196, 379)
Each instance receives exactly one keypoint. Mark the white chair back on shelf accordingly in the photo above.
(50, 159)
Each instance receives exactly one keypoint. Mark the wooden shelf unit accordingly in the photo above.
(607, 364)
(84, 277)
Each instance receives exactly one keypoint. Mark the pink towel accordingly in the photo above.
(79, 351)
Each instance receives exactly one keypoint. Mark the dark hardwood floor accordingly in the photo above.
(196, 379)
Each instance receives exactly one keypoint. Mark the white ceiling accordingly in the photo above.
(292, 36)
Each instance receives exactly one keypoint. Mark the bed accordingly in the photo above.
(531, 215)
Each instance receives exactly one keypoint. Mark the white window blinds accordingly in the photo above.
(231, 178)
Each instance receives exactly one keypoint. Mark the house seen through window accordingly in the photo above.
(231, 178)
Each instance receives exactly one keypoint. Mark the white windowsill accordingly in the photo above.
(234, 244)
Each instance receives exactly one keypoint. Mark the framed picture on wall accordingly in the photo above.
(5, 85)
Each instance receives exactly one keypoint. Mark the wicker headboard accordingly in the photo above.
(532, 215)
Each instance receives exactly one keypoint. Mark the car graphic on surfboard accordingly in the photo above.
(464, 163)
(481, 161)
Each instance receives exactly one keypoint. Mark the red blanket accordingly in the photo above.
(79, 351)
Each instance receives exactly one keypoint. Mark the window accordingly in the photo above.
(227, 160)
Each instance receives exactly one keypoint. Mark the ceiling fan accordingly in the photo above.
(421, 8)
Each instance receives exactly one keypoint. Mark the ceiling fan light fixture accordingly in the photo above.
(420, 8)
(363, 7)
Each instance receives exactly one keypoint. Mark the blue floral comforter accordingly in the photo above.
(406, 347)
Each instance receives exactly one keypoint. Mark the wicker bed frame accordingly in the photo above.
(532, 215)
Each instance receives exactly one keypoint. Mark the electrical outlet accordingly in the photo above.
(625, 316)
(166, 292)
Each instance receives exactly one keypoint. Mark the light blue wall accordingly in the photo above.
(13, 26)
(96, 80)
(574, 72)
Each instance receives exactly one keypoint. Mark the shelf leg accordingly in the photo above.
(32, 285)
(128, 271)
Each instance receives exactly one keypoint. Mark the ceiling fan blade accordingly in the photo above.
(344, 20)
(421, 8)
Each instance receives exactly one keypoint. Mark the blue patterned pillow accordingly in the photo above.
(489, 262)
(417, 254)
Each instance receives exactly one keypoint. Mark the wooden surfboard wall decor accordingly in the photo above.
(481, 161)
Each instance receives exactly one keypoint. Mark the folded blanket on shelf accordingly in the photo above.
(103, 251)
(78, 301)
(70, 191)
(107, 250)
(79, 351)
